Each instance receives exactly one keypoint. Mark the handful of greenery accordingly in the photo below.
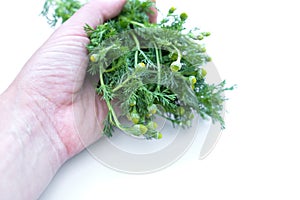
(148, 69)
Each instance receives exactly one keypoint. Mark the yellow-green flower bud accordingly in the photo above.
(192, 80)
(203, 50)
(135, 117)
(208, 59)
(137, 129)
(141, 65)
(181, 110)
(159, 135)
(132, 102)
(172, 10)
(205, 34)
(94, 57)
(152, 109)
(203, 72)
(140, 128)
(175, 66)
(152, 125)
(183, 16)
(200, 37)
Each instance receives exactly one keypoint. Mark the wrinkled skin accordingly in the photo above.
(50, 103)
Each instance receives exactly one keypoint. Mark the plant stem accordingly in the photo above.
(111, 69)
(158, 67)
(136, 55)
(178, 52)
(109, 106)
(137, 23)
(122, 84)
(139, 50)
(137, 43)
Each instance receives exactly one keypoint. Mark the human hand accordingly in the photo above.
(54, 79)
(39, 130)
(50, 111)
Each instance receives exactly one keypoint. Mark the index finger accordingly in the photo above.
(153, 16)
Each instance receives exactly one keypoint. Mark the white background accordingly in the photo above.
(255, 44)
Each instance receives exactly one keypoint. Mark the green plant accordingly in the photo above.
(63, 10)
(149, 69)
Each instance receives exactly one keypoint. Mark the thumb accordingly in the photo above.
(93, 13)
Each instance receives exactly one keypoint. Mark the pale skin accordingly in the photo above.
(39, 130)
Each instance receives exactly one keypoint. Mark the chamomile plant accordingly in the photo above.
(148, 69)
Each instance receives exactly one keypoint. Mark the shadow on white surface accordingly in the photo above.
(84, 171)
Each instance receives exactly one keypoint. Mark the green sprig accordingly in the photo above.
(148, 69)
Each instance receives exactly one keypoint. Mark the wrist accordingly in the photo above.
(30, 149)
(28, 116)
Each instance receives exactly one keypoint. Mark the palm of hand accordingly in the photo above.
(56, 77)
